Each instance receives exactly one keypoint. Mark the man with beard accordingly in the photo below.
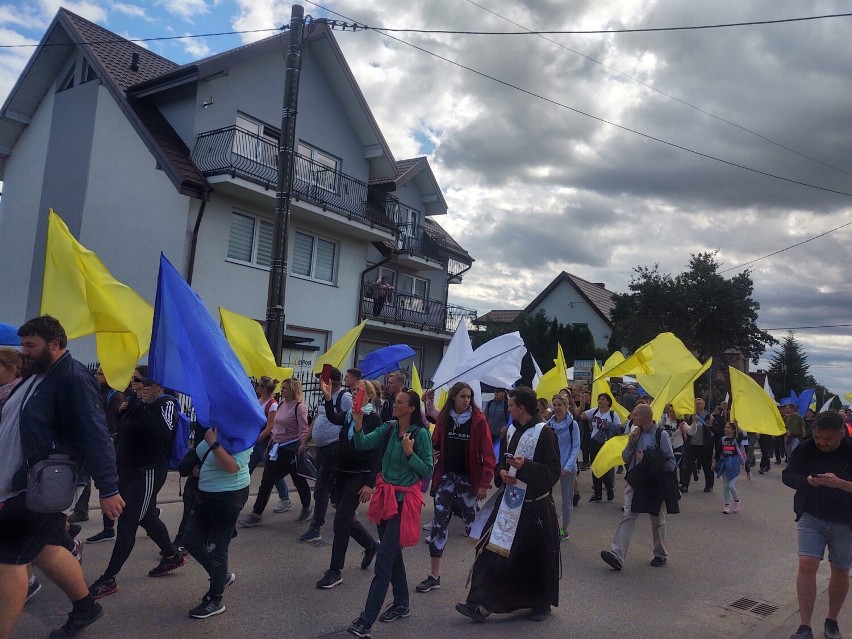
(517, 562)
(55, 409)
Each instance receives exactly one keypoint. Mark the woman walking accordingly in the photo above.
(568, 435)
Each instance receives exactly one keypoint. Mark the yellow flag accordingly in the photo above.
(679, 391)
(671, 358)
(601, 385)
(555, 379)
(416, 386)
(246, 337)
(80, 292)
(639, 362)
(612, 361)
(339, 351)
(848, 397)
(609, 456)
(753, 409)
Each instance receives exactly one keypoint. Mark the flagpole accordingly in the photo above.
(286, 145)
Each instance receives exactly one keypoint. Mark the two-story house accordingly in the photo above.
(141, 155)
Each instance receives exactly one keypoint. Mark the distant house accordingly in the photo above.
(141, 155)
(570, 300)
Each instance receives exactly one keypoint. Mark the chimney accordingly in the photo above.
(600, 284)
(134, 62)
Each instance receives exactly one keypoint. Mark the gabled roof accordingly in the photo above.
(498, 317)
(445, 240)
(598, 297)
(111, 56)
(417, 169)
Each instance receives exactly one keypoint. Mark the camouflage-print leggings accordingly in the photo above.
(453, 492)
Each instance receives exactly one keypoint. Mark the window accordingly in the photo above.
(256, 141)
(321, 171)
(250, 240)
(88, 73)
(414, 292)
(409, 218)
(314, 257)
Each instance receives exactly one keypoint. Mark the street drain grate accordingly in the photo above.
(753, 606)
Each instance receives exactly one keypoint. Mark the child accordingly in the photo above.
(727, 463)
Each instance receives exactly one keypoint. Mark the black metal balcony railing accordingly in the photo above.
(239, 153)
(415, 240)
(412, 310)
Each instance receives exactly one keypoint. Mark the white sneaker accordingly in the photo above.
(283, 506)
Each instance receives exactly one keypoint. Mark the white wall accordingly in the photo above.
(569, 307)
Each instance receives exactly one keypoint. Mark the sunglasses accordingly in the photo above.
(143, 381)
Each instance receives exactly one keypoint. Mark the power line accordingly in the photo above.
(602, 31)
(802, 328)
(661, 92)
(595, 117)
(810, 239)
(153, 39)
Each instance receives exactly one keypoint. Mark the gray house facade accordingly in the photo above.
(140, 155)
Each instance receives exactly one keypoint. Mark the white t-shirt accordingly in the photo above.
(599, 420)
(11, 453)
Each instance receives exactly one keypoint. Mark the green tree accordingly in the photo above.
(789, 369)
(708, 312)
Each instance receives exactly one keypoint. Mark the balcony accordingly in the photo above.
(418, 249)
(239, 154)
(413, 311)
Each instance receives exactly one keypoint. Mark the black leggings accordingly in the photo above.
(276, 469)
(139, 491)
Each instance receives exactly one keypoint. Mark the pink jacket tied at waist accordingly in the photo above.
(384, 506)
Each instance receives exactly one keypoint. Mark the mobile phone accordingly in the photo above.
(358, 401)
(509, 456)
(325, 376)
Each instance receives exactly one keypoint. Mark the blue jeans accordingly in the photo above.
(390, 571)
(209, 531)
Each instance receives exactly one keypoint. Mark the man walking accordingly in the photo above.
(820, 470)
(642, 443)
(56, 409)
(699, 450)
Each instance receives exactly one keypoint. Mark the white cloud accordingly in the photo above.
(27, 17)
(254, 15)
(132, 10)
(93, 11)
(196, 47)
(187, 10)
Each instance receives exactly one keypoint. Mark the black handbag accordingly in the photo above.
(52, 484)
(190, 461)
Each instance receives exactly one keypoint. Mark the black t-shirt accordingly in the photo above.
(828, 504)
(456, 443)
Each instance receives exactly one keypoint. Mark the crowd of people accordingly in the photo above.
(496, 467)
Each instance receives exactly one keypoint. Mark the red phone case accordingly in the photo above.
(358, 402)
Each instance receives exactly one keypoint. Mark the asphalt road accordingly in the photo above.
(714, 560)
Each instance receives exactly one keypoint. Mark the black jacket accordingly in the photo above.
(828, 504)
(146, 434)
(348, 458)
(64, 416)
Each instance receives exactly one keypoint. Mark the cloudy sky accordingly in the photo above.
(535, 187)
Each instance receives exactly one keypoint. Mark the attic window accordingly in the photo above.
(88, 73)
(68, 81)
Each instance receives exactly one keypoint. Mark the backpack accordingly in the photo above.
(338, 403)
(601, 432)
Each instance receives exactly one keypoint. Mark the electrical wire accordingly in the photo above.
(603, 31)
(153, 39)
(810, 239)
(802, 328)
(661, 92)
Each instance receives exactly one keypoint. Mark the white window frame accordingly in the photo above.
(255, 241)
(312, 277)
(409, 218)
(262, 153)
(330, 184)
(408, 298)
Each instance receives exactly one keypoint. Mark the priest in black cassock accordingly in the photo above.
(517, 562)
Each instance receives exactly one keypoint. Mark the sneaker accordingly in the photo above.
(359, 628)
(167, 564)
(576, 499)
(369, 555)
(726, 510)
(282, 506)
(430, 583)
(107, 534)
(473, 611)
(77, 621)
(804, 632)
(312, 534)
(250, 520)
(394, 612)
(331, 579)
(427, 526)
(77, 551)
(708, 489)
(539, 614)
(563, 536)
(595, 498)
(32, 589)
(736, 507)
(103, 587)
(610, 495)
(74, 530)
(305, 514)
(832, 630)
(763, 470)
(207, 608)
(609, 557)
(658, 562)
(684, 489)
(76, 518)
